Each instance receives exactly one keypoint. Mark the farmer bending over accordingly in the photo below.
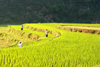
(20, 44)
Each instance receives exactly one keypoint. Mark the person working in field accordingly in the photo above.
(22, 27)
(20, 44)
(46, 33)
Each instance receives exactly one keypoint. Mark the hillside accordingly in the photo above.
(33, 11)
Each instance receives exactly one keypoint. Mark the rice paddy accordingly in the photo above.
(60, 49)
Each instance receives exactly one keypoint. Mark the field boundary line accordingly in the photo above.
(77, 29)
(55, 33)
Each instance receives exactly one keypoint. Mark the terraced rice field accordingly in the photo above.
(60, 49)
(84, 27)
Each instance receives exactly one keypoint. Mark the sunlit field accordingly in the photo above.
(60, 49)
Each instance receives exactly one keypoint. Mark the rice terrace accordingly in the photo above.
(67, 45)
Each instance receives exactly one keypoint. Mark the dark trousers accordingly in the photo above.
(46, 35)
(21, 28)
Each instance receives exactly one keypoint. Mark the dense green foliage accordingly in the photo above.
(71, 49)
(26, 11)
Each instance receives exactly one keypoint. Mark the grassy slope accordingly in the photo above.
(71, 49)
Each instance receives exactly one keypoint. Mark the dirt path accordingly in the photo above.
(83, 27)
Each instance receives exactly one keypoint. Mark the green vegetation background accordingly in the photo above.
(33, 11)
(71, 49)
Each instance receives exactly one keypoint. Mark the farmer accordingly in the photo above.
(46, 33)
(20, 44)
(22, 27)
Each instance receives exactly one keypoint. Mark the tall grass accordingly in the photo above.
(71, 49)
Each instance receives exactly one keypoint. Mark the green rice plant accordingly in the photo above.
(70, 49)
